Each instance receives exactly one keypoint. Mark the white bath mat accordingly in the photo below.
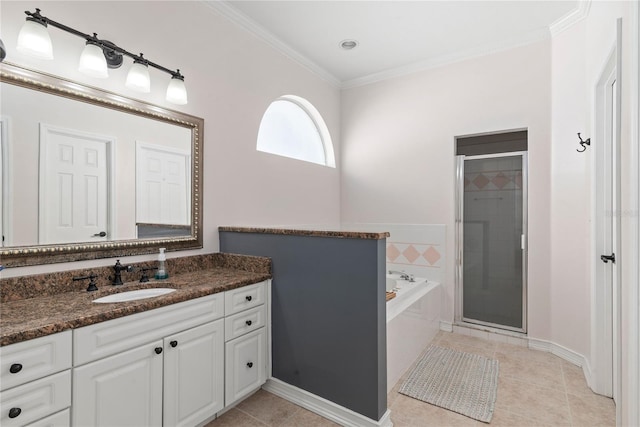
(461, 382)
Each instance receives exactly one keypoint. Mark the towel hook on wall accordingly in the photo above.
(583, 144)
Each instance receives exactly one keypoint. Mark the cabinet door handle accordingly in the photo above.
(173, 343)
(248, 322)
(158, 350)
(14, 412)
(248, 297)
(15, 368)
(250, 364)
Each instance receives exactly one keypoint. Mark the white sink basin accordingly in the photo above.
(134, 295)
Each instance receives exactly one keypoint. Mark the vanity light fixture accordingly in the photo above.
(3, 51)
(97, 57)
(138, 77)
(92, 61)
(34, 38)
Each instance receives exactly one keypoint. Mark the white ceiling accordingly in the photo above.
(396, 37)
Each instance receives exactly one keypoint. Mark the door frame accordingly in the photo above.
(606, 301)
(459, 238)
(630, 412)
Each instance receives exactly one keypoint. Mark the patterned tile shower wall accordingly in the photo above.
(493, 181)
(418, 249)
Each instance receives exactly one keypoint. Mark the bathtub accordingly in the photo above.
(413, 320)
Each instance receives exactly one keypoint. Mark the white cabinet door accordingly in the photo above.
(245, 365)
(193, 374)
(121, 390)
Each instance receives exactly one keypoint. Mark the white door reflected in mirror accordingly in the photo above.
(74, 173)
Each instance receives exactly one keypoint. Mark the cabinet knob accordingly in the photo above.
(248, 322)
(248, 297)
(158, 350)
(15, 368)
(173, 343)
(14, 412)
(250, 364)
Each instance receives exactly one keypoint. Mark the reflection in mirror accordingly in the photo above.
(89, 172)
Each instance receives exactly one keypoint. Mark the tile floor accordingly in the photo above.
(534, 389)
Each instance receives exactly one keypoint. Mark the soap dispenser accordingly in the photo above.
(161, 273)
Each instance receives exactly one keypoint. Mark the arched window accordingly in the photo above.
(292, 127)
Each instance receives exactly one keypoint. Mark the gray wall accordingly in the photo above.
(328, 315)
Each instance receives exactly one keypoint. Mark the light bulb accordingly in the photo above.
(93, 62)
(34, 40)
(138, 77)
(176, 91)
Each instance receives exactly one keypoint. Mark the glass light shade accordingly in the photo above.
(93, 62)
(34, 40)
(177, 92)
(138, 78)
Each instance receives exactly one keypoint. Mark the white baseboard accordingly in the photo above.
(324, 407)
(588, 374)
(446, 326)
(560, 351)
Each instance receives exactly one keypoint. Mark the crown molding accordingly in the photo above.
(225, 9)
(461, 55)
(570, 18)
(234, 15)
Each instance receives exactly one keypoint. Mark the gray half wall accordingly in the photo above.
(328, 315)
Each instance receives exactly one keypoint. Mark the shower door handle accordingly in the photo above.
(607, 258)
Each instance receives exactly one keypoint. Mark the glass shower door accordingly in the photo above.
(493, 222)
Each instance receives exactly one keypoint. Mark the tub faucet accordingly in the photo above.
(403, 275)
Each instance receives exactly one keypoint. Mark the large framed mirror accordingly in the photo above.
(87, 174)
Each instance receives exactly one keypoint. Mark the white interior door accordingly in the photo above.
(606, 345)
(5, 187)
(163, 193)
(73, 186)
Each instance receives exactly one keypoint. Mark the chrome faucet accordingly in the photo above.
(403, 275)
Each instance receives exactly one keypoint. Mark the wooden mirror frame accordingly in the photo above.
(19, 256)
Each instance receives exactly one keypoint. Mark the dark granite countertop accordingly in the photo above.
(31, 317)
(316, 233)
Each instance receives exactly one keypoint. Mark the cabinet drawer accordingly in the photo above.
(245, 368)
(243, 298)
(29, 360)
(114, 336)
(244, 322)
(61, 419)
(35, 400)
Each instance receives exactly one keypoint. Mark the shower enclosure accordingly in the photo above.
(491, 240)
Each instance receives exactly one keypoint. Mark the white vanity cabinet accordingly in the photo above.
(127, 388)
(246, 341)
(35, 381)
(177, 365)
(172, 376)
